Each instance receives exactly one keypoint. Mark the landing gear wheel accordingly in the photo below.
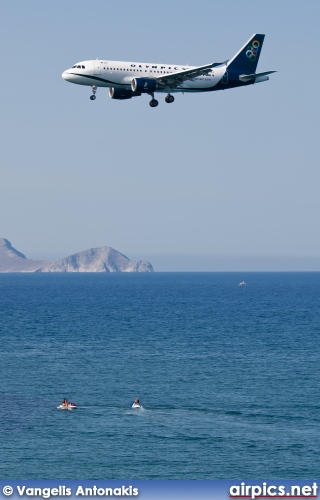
(94, 90)
(153, 103)
(169, 98)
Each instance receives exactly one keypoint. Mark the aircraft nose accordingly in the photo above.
(66, 75)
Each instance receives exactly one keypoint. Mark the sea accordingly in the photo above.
(228, 376)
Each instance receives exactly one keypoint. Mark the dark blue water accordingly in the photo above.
(228, 376)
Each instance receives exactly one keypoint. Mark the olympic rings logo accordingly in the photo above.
(253, 50)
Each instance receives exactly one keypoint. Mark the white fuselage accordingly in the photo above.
(119, 74)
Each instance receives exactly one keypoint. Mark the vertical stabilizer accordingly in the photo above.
(246, 60)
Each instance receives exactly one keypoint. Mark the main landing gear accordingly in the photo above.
(94, 90)
(154, 103)
(169, 98)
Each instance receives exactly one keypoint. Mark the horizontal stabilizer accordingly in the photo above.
(255, 76)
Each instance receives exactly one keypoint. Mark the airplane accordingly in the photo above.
(131, 79)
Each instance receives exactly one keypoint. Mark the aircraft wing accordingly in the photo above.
(176, 79)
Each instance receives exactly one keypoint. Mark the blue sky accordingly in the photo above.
(218, 181)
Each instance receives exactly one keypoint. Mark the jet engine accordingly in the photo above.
(122, 93)
(143, 85)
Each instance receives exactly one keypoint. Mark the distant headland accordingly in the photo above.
(95, 260)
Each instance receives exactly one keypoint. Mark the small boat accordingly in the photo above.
(68, 406)
(242, 283)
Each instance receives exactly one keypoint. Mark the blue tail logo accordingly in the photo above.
(253, 50)
(246, 60)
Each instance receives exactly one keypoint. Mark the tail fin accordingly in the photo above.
(246, 60)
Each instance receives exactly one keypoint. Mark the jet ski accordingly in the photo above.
(68, 406)
(136, 405)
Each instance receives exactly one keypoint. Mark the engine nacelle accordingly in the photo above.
(122, 93)
(145, 85)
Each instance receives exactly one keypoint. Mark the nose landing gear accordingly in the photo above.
(94, 90)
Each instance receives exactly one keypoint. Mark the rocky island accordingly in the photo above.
(95, 260)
